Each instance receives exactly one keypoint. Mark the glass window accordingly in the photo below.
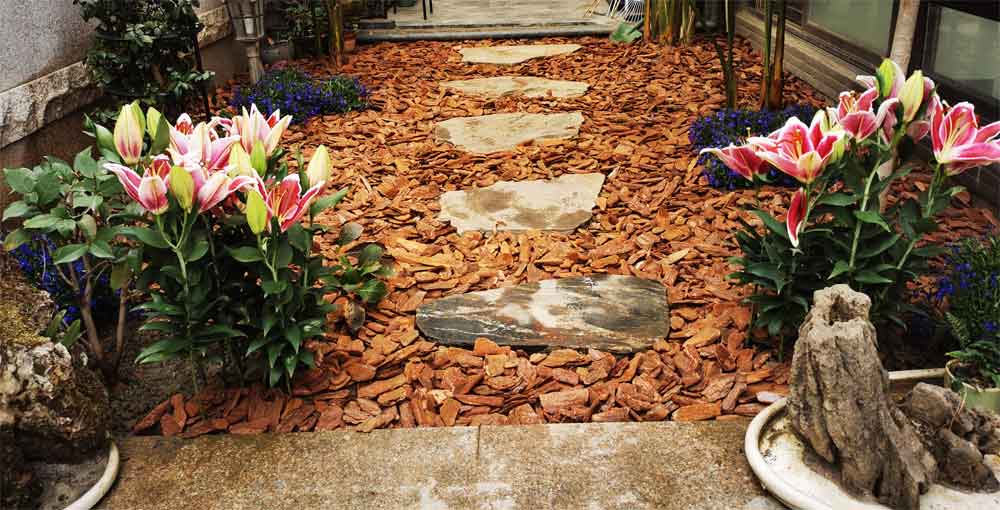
(965, 50)
(864, 23)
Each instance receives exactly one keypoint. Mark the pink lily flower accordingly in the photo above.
(253, 127)
(741, 159)
(959, 142)
(857, 116)
(795, 220)
(201, 145)
(218, 187)
(286, 200)
(798, 150)
(150, 190)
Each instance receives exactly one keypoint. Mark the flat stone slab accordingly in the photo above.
(608, 312)
(505, 131)
(560, 204)
(509, 55)
(528, 86)
(634, 466)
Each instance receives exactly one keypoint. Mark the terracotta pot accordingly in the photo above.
(350, 41)
(986, 399)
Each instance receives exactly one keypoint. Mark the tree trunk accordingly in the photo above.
(902, 38)
(646, 21)
(765, 81)
(335, 13)
(776, 88)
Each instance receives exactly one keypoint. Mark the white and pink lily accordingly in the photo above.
(959, 142)
(253, 127)
(795, 221)
(286, 200)
(798, 150)
(857, 116)
(200, 145)
(742, 159)
(149, 189)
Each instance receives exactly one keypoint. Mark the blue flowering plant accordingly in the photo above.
(732, 127)
(971, 293)
(302, 96)
(68, 241)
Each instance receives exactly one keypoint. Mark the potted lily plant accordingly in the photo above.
(972, 292)
(840, 226)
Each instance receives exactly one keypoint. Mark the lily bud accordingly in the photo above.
(258, 158)
(911, 95)
(838, 149)
(105, 140)
(319, 168)
(240, 161)
(182, 187)
(128, 135)
(256, 212)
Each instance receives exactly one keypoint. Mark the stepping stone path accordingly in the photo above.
(559, 204)
(505, 131)
(509, 55)
(613, 313)
(529, 86)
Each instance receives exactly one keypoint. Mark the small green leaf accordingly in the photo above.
(119, 275)
(839, 268)
(101, 250)
(88, 225)
(16, 239)
(837, 199)
(16, 210)
(146, 236)
(369, 254)
(85, 164)
(372, 291)
(349, 232)
(41, 222)
(246, 254)
(68, 253)
(21, 180)
(871, 277)
(873, 218)
(327, 202)
(274, 287)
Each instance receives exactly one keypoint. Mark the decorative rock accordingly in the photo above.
(514, 54)
(560, 204)
(529, 86)
(839, 403)
(607, 312)
(505, 131)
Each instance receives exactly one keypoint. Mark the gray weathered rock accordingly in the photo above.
(504, 131)
(839, 403)
(607, 312)
(560, 204)
(961, 462)
(57, 408)
(508, 55)
(529, 86)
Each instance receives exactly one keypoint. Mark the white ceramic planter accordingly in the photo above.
(775, 455)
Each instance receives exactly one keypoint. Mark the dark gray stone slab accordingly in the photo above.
(608, 312)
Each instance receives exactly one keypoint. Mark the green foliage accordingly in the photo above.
(626, 33)
(144, 49)
(81, 212)
(850, 241)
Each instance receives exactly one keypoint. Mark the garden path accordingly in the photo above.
(655, 218)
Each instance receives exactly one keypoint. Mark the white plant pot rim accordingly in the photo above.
(94, 494)
(779, 487)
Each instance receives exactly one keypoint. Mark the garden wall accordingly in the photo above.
(830, 74)
(44, 85)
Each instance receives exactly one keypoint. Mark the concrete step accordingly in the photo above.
(465, 32)
(634, 466)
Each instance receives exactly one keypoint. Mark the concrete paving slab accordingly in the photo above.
(510, 55)
(634, 466)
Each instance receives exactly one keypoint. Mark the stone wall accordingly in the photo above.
(44, 86)
(830, 74)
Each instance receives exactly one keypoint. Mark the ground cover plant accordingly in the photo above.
(847, 232)
(732, 127)
(656, 218)
(301, 95)
(971, 291)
